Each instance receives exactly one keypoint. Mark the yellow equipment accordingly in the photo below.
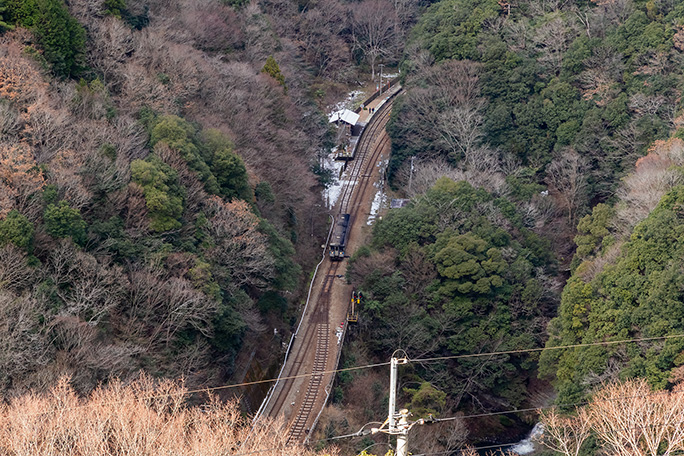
(353, 314)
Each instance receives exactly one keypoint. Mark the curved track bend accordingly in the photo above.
(315, 349)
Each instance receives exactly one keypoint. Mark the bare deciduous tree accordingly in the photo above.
(159, 306)
(566, 177)
(15, 273)
(20, 78)
(320, 30)
(553, 39)
(240, 248)
(144, 418)
(89, 288)
(375, 30)
(565, 434)
(23, 346)
(653, 176)
(65, 169)
(628, 419)
(20, 181)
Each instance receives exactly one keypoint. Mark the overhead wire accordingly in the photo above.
(559, 347)
(439, 358)
(461, 450)
(418, 360)
(362, 433)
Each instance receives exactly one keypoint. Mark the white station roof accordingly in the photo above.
(345, 115)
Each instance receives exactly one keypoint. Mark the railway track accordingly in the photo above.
(298, 357)
(365, 159)
(315, 343)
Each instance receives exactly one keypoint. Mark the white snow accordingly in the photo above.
(332, 193)
(348, 102)
(380, 200)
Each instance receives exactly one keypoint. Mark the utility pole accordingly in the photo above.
(411, 174)
(402, 436)
(381, 65)
(392, 414)
(397, 422)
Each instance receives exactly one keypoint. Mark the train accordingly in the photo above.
(338, 242)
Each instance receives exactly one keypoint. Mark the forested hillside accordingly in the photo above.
(537, 140)
(160, 205)
(158, 179)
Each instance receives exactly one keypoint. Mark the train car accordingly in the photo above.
(339, 238)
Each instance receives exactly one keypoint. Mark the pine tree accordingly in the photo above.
(62, 38)
(272, 69)
(4, 17)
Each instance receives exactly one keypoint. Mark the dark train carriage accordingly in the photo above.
(338, 242)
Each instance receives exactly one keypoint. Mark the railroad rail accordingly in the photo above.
(364, 156)
(313, 346)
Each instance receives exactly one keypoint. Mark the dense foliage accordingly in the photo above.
(60, 36)
(464, 277)
(636, 295)
(544, 109)
(149, 212)
(599, 78)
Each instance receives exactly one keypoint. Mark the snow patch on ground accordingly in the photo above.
(380, 201)
(333, 192)
(353, 97)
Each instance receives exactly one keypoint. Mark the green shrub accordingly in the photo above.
(61, 37)
(163, 195)
(264, 192)
(115, 8)
(18, 230)
(272, 69)
(4, 17)
(61, 220)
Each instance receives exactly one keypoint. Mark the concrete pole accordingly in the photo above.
(393, 394)
(402, 437)
(411, 174)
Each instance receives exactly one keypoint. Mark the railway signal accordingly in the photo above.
(353, 314)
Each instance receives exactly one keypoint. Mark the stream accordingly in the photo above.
(524, 447)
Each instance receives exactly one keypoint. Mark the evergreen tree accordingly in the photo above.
(272, 69)
(62, 38)
(58, 33)
(163, 195)
(16, 229)
(116, 8)
(4, 17)
(61, 220)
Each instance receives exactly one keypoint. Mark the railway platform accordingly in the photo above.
(366, 113)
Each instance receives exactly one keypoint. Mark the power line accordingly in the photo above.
(224, 387)
(546, 407)
(363, 433)
(559, 347)
(461, 450)
(440, 358)
(369, 366)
